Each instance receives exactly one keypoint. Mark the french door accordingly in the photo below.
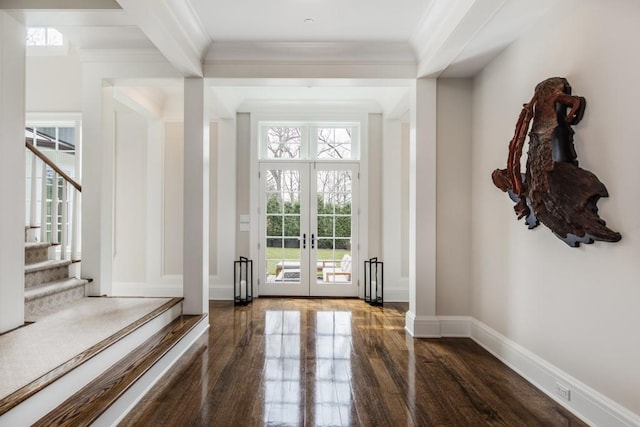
(308, 229)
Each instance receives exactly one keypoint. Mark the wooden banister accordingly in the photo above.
(53, 166)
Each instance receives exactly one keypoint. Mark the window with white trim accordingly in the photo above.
(39, 36)
(309, 141)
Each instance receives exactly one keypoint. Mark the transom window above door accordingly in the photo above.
(309, 141)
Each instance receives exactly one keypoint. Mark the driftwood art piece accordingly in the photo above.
(554, 190)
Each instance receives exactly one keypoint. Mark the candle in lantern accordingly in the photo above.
(243, 289)
(374, 290)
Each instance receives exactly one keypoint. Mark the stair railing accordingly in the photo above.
(57, 225)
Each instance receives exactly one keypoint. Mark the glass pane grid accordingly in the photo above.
(334, 225)
(284, 142)
(334, 143)
(282, 217)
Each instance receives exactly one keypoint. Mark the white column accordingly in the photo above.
(196, 198)
(12, 172)
(421, 318)
(97, 182)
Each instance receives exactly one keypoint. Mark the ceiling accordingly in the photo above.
(434, 38)
(311, 20)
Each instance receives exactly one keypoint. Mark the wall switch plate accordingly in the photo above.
(563, 391)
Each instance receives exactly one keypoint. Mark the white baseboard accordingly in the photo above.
(397, 294)
(422, 326)
(136, 289)
(221, 292)
(131, 289)
(585, 402)
(455, 326)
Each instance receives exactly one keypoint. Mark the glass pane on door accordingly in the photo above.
(334, 189)
(283, 253)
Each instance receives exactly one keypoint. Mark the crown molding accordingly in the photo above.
(309, 70)
(121, 55)
(400, 52)
(310, 60)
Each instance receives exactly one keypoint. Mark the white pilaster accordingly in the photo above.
(196, 198)
(97, 183)
(421, 318)
(12, 172)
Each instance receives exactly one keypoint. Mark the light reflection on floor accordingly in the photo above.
(284, 385)
(333, 368)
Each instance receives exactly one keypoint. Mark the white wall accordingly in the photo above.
(243, 183)
(130, 188)
(575, 308)
(375, 172)
(213, 198)
(173, 179)
(453, 201)
(223, 200)
(148, 206)
(404, 201)
(12, 168)
(394, 204)
(43, 95)
(390, 201)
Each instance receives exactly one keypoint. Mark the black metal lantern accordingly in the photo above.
(243, 281)
(373, 281)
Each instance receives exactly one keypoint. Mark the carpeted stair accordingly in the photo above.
(48, 285)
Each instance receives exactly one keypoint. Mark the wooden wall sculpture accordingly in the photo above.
(554, 190)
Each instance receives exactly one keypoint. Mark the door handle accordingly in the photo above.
(313, 237)
(304, 240)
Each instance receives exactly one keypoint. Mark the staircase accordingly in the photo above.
(88, 360)
(126, 345)
(51, 238)
(48, 282)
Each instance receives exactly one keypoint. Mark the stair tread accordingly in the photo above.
(50, 288)
(36, 245)
(85, 406)
(44, 265)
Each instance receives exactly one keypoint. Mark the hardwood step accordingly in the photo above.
(45, 271)
(40, 385)
(86, 406)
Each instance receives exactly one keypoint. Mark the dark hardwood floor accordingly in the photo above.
(332, 362)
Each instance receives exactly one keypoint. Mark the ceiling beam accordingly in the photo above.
(175, 30)
(446, 29)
